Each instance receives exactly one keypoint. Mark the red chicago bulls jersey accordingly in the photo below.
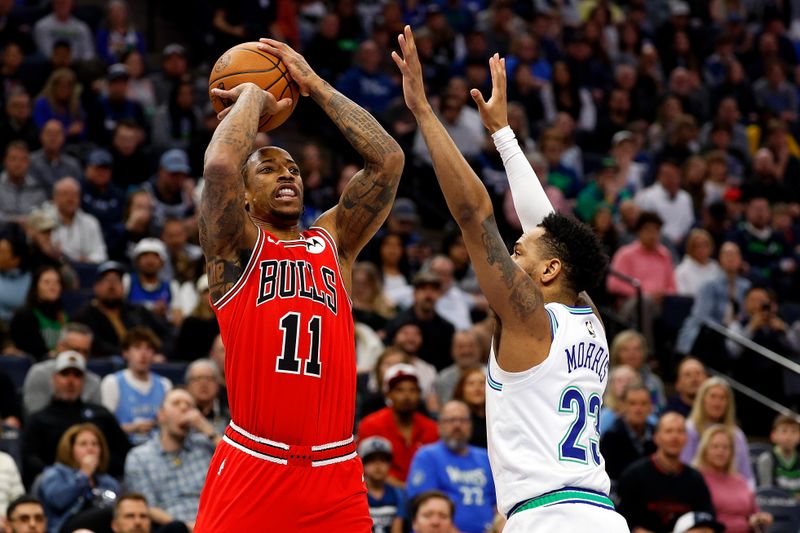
(287, 326)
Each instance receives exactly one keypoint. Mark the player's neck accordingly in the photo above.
(282, 232)
(559, 296)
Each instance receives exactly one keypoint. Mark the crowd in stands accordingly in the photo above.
(670, 127)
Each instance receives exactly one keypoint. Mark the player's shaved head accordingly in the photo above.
(259, 156)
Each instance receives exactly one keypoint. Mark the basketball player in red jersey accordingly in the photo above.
(287, 461)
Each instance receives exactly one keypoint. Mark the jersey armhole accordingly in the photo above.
(234, 290)
(332, 243)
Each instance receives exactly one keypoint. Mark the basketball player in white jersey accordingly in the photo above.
(549, 362)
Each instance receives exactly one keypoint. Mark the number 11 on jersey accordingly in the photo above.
(289, 362)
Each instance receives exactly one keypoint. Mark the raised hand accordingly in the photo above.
(269, 105)
(410, 68)
(494, 113)
(300, 70)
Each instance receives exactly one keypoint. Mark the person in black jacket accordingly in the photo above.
(44, 428)
(655, 491)
(109, 316)
(631, 436)
(35, 327)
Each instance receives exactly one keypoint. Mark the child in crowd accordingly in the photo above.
(386, 503)
(780, 467)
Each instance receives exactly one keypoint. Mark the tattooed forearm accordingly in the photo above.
(233, 138)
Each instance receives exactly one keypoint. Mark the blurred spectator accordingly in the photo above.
(734, 500)
(779, 467)
(697, 267)
(691, 374)
(408, 338)
(719, 300)
(559, 175)
(109, 315)
(78, 235)
(145, 286)
(136, 224)
(370, 304)
(386, 503)
(369, 387)
(132, 515)
(60, 25)
(431, 512)
(176, 122)
(471, 390)
(400, 422)
(135, 393)
(466, 354)
(170, 468)
(619, 378)
(455, 305)
(564, 94)
(203, 380)
(38, 387)
(393, 263)
(185, 260)
(728, 115)
(20, 192)
(36, 326)
(453, 247)
(140, 88)
(44, 428)
(437, 333)
(174, 66)
(327, 54)
(10, 482)
(759, 322)
(115, 106)
(118, 36)
(459, 470)
(15, 278)
(629, 347)
(669, 201)
(366, 84)
(631, 437)
(774, 94)
(168, 189)
(199, 329)
(26, 515)
(655, 491)
(49, 164)
(131, 166)
(60, 100)
(605, 190)
(467, 133)
(100, 197)
(77, 483)
(17, 124)
(715, 405)
(10, 409)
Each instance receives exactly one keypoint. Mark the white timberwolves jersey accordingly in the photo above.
(543, 424)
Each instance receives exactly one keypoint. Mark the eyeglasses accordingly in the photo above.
(455, 420)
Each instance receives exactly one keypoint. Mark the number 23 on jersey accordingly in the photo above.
(573, 447)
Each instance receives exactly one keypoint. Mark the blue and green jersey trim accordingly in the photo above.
(553, 323)
(562, 496)
(579, 310)
(494, 384)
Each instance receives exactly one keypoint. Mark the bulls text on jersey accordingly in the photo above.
(289, 279)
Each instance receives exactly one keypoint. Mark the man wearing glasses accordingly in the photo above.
(459, 470)
(26, 515)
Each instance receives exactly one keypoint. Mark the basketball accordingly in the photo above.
(246, 63)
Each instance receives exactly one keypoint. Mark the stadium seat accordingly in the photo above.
(175, 372)
(105, 365)
(784, 508)
(87, 272)
(16, 368)
(755, 449)
(74, 301)
(675, 311)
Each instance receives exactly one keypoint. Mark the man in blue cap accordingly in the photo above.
(99, 196)
(115, 106)
(170, 189)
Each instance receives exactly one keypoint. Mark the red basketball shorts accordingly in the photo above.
(256, 485)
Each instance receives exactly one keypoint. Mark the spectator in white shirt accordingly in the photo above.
(60, 25)
(78, 234)
(455, 304)
(669, 201)
(697, 266)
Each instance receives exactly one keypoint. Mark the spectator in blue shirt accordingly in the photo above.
(386, 502)
(118, 37)
(99, 196)
(459, 470)
(366, 84)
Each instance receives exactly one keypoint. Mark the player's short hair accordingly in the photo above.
(129, 496)
(140, 335)
(583, 260)
(423, 497)
(785, 420)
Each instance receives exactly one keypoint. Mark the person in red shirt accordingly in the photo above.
(400, 423)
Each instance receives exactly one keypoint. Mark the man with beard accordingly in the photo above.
(459, 470)
(109, 316)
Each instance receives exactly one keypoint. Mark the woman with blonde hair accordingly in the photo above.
(77, 482)
(619, 378)
(734, 500)
(629, 347)
(698, 267)
(60, 100)
(714, 404)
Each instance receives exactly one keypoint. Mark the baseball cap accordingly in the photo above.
(117, 71)
(70, 359)
(425, 277)
(100, 158)
(110, 266)
(42, 220)
(621, 136)
(697, 519)
(175, 160)
(150, 245)
(373, 446)
(405, 209)
(397, 373)
(173, 49)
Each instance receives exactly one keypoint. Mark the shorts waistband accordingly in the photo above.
(565, 495)
(289, 454)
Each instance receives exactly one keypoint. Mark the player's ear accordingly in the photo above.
(552, 268)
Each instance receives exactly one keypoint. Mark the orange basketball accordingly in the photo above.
(245, 62)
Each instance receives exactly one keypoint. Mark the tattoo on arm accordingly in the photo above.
(224, 273)
(523, 295)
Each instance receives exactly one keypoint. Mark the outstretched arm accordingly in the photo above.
(510, 291)
(226, 234)
(367, 199)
